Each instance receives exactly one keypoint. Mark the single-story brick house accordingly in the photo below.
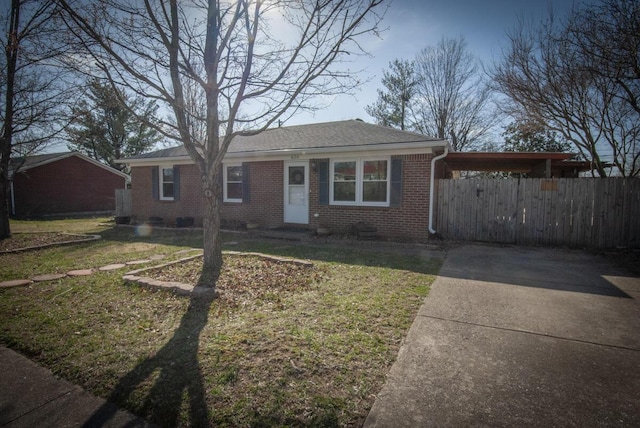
(328, 174)
(63, 183)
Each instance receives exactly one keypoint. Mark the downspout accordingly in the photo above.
(431, 190)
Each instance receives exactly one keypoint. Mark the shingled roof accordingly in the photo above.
(25, 163)
(342, 134)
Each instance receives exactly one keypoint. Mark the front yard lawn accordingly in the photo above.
(311, 349)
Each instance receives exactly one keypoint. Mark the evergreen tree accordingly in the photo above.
(532, 136)
(393, 104)
(109, 125)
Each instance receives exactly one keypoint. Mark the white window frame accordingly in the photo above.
(225, 181)
(161, 195)
(359, 181)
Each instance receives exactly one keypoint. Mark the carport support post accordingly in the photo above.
(547, 172)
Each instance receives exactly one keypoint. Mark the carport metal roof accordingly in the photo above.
(535, 164)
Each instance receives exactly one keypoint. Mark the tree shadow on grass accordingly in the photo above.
(173, 371)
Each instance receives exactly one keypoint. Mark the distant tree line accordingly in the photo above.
(571, 84)
(441, 93)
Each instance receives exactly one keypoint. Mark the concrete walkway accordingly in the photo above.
(30, 396)
(513, 336)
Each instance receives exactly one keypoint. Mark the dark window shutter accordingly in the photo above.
(396, 182)
(155, 182)
(323, 182)
(176, 182)
(245, 183)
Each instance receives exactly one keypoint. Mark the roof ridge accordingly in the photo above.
(338, 135)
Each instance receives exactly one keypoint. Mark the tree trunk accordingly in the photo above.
(6, 139)
(212, 264)
(5, 229)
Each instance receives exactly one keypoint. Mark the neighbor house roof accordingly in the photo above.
(22, 164)
(312, 138)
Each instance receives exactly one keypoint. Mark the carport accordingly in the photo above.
(534, 164)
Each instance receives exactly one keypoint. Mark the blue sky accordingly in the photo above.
(415, 24)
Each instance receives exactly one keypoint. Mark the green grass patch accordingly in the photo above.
(313, 355)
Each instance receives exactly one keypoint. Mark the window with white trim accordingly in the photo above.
(166, 187)
(363, 181)
(232, 183)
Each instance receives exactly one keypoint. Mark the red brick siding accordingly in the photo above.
(266, 199)
(190, 203)
(410, 221)
(69, 185)
(266, 187)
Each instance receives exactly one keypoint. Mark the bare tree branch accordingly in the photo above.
(220, 70)
(548, 75)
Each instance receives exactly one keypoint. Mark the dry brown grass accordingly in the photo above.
(287, 346)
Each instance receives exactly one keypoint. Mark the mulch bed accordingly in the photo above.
(244, 279)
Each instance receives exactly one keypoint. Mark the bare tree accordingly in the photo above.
(32, 87)
(548, 77)
(253, 62)
(453, 101)
(606, 37)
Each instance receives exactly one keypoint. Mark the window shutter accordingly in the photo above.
(155, 182)
(396, 182)
(176, 182)
(245, 183)
(323, 182)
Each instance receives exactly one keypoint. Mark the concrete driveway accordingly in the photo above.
(512, 336)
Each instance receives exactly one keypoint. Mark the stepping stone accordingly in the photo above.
(138, 262)
(187, 251)
(15, 283)
(80, 272)
(112, 267)
(49, 277)
(157, 257)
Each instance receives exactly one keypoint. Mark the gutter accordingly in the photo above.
(431, 184)
(301, 153)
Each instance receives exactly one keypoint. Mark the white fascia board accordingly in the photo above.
(174, 160)
(80, 156)
(302, 154)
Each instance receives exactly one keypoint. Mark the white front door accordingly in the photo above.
(296, 191)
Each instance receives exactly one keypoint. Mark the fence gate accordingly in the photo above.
(477, 210)
(123, 202)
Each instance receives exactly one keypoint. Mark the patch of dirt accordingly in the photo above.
(244, 279)
(19, 241)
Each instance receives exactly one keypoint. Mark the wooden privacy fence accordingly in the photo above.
(575, 212)
(123, 202)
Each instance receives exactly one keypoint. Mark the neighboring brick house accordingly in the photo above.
(329, 174)
(63, 183)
